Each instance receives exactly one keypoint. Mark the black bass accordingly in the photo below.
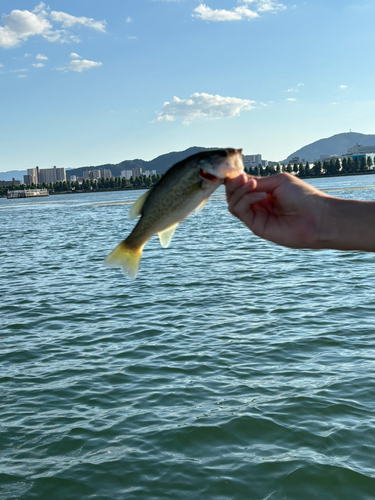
(185, 187)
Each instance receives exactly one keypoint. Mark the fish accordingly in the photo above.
(183, 189)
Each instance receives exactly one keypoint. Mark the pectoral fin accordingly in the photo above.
(166, 235)
(200, 206)
(136, 209)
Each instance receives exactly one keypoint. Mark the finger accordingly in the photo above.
(239, 186)
(247, 193)
(244, 209)
(244, 212)
(244, 203)
(237, 194)
(232, 184)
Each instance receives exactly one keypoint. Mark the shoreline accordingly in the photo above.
(324, 176)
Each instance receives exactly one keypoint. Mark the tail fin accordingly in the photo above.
(126, 258)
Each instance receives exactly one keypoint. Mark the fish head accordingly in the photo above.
(220, 164)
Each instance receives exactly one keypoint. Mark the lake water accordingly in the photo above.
(230, 369)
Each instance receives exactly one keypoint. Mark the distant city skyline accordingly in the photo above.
(90, 83)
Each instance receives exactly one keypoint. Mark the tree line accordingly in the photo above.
(114, 183)
(318, 169)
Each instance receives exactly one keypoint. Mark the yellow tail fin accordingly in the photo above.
(126, 258)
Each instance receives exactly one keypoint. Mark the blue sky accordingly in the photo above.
(87, 82)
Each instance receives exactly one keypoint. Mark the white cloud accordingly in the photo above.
(205, 106)
(38, 65)
(343, 87)
(68, 21)
(132, 38)
(20, 25)
(295, 89)
(80, 65)
(165, 118)
(1, 65)
(22, 76)
(74, 55)
(267, 5)
(129, 20)
(237, 13)
(291, 99)
(41, 57)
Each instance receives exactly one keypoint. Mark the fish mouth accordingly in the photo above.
(227, 163)
(235, 166)
(208, 176)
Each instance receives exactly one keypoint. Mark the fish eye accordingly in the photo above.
(222, 153)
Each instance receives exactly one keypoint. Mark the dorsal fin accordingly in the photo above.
(136, 209)
(166, 235)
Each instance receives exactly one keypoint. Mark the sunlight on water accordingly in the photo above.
(230, 369)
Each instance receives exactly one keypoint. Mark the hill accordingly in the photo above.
(336, 145)
(160, 164)
(12, 174)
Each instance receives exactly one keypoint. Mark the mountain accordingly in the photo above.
(163, 162)
(160, 164)
(336, 145)
(12, 174)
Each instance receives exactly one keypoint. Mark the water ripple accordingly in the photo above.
(230, 369)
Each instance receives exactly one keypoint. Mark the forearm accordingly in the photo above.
(347, 225)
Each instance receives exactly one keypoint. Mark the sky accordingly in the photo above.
(87, 82)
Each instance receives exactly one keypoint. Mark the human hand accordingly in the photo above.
(280, 208)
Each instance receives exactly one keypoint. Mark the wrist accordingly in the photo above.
(347, 225)
(327, 227)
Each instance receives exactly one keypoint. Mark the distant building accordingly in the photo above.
(126, 173)
(13, 182)
(73, 178)
(358, 149)
(105, 173)
(92, 174)
(137, 172)
(44, 175)
(51, 175)
(329, 157)
(149, 173)
(294, 160)
(32, 176)
(28, 179)
(252, 160)
(360, 156)
(134, 172)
